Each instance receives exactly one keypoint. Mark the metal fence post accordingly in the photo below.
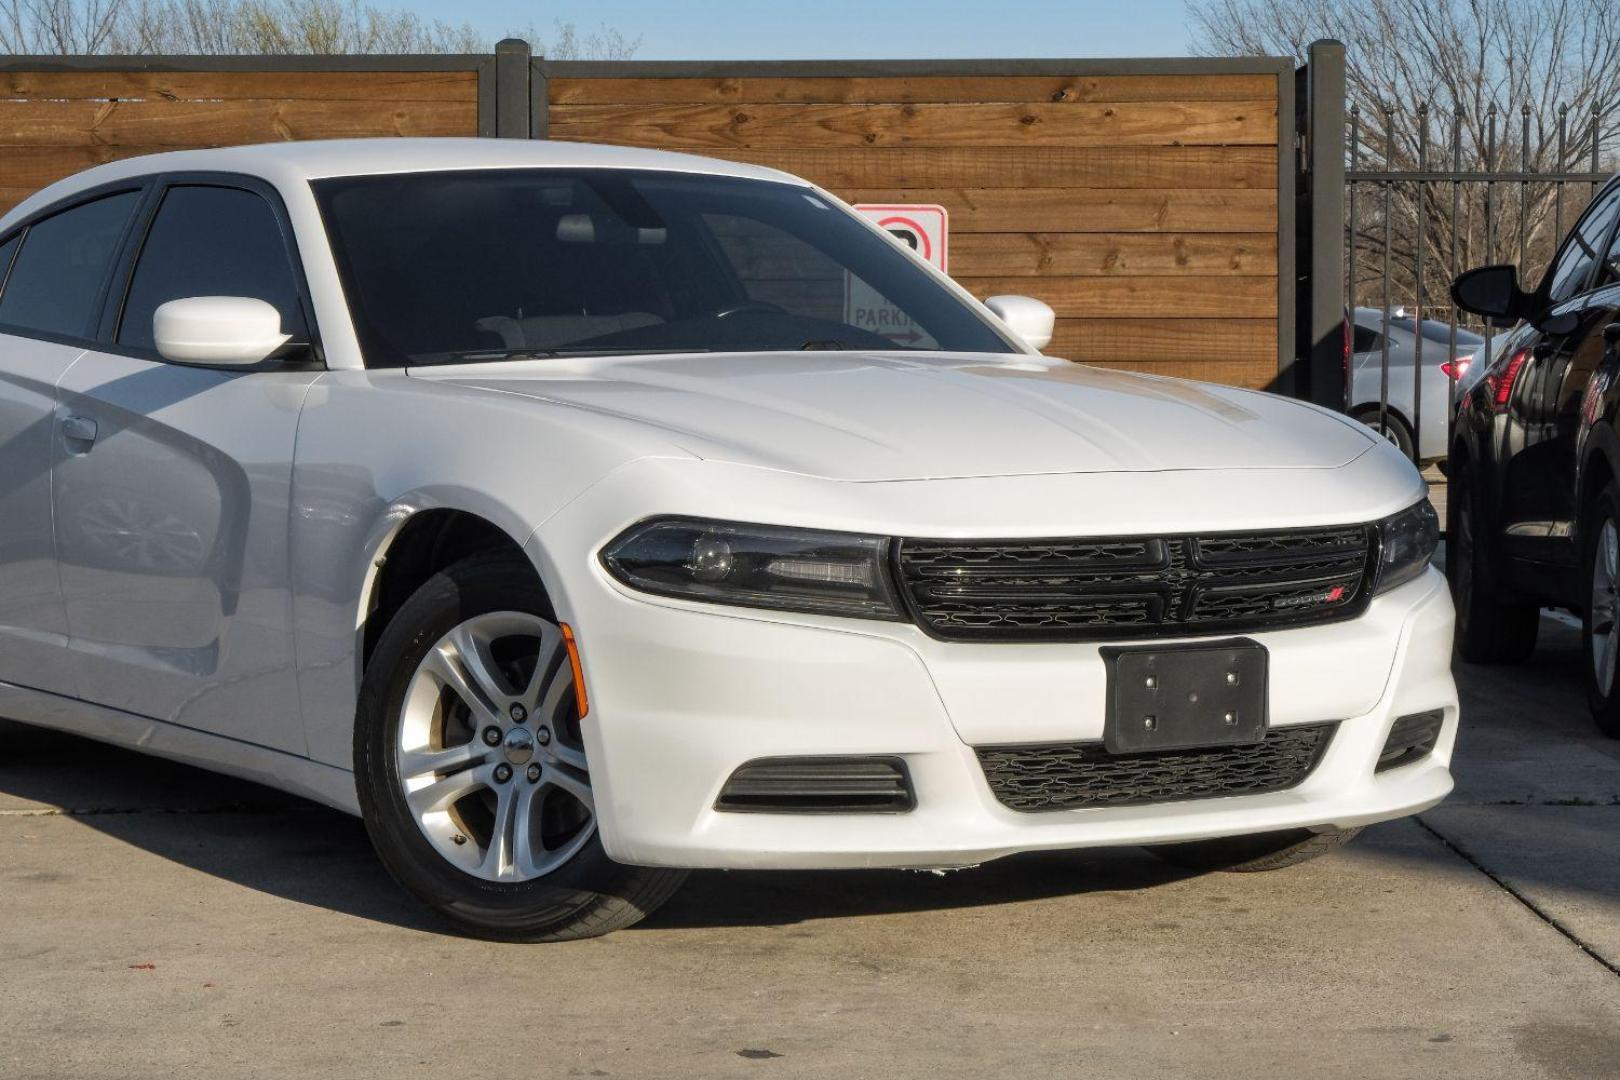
(512, 89)
(1321, 300)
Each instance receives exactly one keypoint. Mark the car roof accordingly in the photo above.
(291, 163)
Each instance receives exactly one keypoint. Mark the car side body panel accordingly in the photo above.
(33, 622)
(172, 540)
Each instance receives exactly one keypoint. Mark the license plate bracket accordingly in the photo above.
(1184, 696)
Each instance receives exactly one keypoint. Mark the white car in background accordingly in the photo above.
(1446, 374)
(540, 503)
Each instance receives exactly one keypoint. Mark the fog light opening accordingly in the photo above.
(1411, 738)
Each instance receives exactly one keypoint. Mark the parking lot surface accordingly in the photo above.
(161, 921)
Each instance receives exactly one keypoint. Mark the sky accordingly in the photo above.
(849, 29)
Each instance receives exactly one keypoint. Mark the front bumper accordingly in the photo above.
(683, 694)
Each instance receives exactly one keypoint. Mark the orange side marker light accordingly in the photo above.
(579, 672)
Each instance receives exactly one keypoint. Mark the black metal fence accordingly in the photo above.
(1435, 193)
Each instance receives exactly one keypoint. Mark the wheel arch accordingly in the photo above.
(416, 543)
(1597, 469)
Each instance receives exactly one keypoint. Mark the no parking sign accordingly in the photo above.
(924, 228)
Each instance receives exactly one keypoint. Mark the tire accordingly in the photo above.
(1396, 430)
(548, 879)
(1600, 623)
(1490, 629)
(1256, 852)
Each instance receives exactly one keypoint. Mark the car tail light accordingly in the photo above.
(1344, 328)
(1455, 369)
(1500, 383)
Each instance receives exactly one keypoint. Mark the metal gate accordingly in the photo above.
(1439, 195)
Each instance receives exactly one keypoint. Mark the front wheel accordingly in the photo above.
(471, 768)
(1490, 629)
(1259, 851)
(1599, 630)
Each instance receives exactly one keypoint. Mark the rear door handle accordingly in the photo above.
(80, 429)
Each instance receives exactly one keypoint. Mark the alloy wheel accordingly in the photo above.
(490, 754)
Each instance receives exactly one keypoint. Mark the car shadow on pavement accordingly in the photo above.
(284, 846)
(1533, 775)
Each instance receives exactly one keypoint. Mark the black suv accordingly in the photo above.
(1534, 459)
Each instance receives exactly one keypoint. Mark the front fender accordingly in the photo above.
(377, 448)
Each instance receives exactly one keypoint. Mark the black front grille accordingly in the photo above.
(1125, 587)
(1072, 776)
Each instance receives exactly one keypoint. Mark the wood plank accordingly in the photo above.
(1164, 123)
(1134, 341)
(223, 123)
(905, 89)
(1090, 210)
(1106, 254)
(1141, 297)
(30, 168)
(1019, 166)
(393, 86)
(1250, 375)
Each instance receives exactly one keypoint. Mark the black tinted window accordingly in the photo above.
(211, 241)
(1366, 340)
(62, 265)
(1574, 262)
(467, 266)
(7, 250)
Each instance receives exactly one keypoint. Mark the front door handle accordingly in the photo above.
(80, 429)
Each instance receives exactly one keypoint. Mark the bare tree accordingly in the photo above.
(235, 27)
(1523, 85)
(57, 26)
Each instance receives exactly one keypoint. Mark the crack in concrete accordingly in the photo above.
(108, 811)
(1530, 905)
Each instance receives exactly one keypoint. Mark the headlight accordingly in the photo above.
(756, 566)
(1406, 542)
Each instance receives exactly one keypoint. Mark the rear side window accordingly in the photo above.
(1366, 340)
(57, 279)
(211, 241)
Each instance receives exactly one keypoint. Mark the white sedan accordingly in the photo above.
(568, 513)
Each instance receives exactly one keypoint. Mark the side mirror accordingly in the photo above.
(228, 331)
(1493, 292)
(1029, 318)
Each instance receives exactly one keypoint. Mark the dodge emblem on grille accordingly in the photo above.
(1327, 596)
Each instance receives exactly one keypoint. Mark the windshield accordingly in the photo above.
(460, 267)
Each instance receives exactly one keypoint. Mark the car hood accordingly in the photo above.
(911, 416)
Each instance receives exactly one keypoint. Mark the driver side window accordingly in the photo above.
(1569, 273)
(211, 241)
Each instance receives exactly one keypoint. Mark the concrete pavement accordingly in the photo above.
(172, 923)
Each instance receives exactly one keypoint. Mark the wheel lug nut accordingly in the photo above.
(519, 714)
(492, 736)
(534, 774)
(542, 735)
(503, 773)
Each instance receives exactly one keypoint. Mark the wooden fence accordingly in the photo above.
(1151, 203)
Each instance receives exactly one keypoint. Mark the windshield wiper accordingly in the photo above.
(480, 355)
(825, 345)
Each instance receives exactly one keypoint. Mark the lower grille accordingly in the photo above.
(819, 785)
(1069, 776)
